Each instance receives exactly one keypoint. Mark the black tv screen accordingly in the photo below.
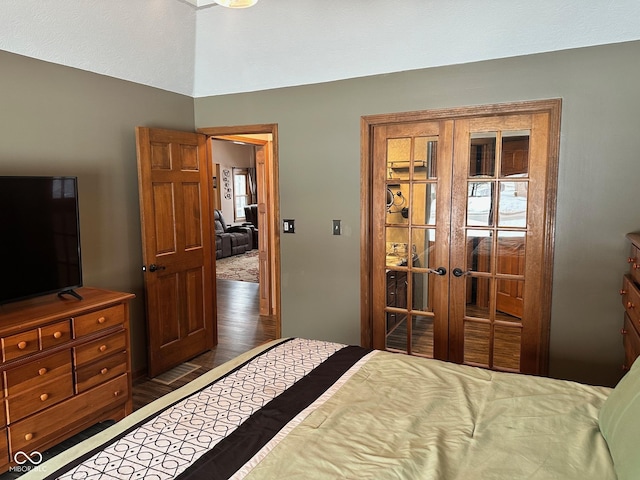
(39, 236)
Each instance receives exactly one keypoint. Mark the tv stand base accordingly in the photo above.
(71, 292)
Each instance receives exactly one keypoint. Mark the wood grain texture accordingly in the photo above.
(240, 328)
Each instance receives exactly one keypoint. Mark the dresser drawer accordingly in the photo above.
(96, 373)
(98, 320)
(35, 373)
(631, 300)
(100, 348)
(19, 345)
(631, 342)
(44, 428)
(634, 263)
(42, 396)
(55, 334)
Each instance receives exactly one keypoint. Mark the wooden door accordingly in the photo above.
(412, 177)
(263, 232)
(173, 177)
(498, 239)
(461, 216)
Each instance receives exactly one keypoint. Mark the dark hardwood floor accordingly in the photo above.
(240, 328)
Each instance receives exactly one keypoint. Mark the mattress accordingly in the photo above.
(298, 408)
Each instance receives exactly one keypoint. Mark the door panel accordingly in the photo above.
(176, 234)
(498, 292)
(411, 243)
(460, 216)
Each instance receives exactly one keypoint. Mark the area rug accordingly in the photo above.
(243, 267)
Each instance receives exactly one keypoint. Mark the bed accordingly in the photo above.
(298, 408)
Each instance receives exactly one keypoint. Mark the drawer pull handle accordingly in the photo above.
(102, 348)
(102, 319)
(631, 259)
(22, 345)
(630, 305)
(28, 437)
(42, 371)
(116, 393)
(623, 291)
(636, 266)
(623, 331)
(44, 397)
(104, 370)
(57, 335)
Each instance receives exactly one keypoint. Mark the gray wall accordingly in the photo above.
(57, 120)
(319, 135)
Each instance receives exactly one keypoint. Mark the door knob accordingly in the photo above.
(438, 271)
(153, 267)
(458, 272)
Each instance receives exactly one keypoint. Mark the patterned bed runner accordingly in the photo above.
(213, 432)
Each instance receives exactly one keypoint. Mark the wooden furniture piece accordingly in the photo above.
(65, 366)
(630, 293)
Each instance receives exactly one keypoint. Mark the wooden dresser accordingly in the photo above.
(630, 293)
(65, 366)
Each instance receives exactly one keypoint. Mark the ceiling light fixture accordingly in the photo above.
(236, 3)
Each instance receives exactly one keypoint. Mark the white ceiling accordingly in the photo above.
(193, 48)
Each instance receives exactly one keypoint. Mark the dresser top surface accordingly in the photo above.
(26, 313)
(635, 238)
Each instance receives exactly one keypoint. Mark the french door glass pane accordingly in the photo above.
(515, 154)
(510, 300)
(511, 252)
(424, 158)
(482, 155)
(421, 292)
(398, 158)
(422, 335)
(479, 250)
(397, 246)
(506, 347)
(478, 297)
(398, 204)
(423, 241)
(397, 289)
(512, 204)
(476, 342)
(480, 204)
(424, 204)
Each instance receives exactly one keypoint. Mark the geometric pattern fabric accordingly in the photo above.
(168, 443)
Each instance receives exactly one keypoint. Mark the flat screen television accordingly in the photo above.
(39, 237)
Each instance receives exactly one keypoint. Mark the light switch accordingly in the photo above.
(337, 227)
(288, 226)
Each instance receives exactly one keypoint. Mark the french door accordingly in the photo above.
(461, 213)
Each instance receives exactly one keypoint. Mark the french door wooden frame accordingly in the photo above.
(551, 107)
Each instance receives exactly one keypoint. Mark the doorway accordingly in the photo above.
(265, 142)
(457, 240)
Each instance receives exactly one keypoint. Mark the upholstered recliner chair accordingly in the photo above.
(251, 217)
(230, 240)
